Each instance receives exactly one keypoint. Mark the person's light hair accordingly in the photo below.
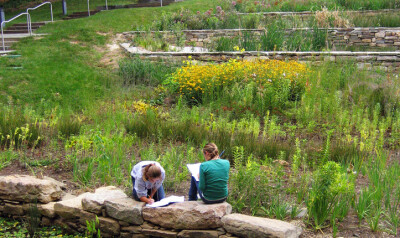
(211, 149)
(151, 171)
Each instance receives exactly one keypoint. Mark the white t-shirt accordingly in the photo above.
(140, 185)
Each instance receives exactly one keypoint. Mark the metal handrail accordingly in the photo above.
(34, 8)
(28, 18)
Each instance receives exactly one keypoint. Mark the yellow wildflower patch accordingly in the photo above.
(141, 107)
(195, 80)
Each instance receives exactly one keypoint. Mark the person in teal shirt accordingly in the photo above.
(213, 177)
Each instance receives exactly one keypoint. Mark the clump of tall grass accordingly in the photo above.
(380, 20)
(275, 38)
(68, 125)
(326, 19)
(17, 130)
(306, 5)
(158, 127)
(96, 158)
(151, 41)
(135, 71)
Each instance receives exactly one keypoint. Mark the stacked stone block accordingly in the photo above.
(373, 37)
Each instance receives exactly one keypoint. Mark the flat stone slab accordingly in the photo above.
(27, 188)
(94, 202)
(47, 210)
(160, 233)
(249, 226)
(191, 215)
(198, 234)
(125, 209)
(71, 208)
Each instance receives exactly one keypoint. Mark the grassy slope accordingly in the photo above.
(58, 72)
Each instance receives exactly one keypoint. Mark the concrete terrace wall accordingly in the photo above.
(121, 216)
(379, 37)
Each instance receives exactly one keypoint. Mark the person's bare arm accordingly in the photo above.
(149, 200)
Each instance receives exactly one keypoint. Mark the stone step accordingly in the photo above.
(34, 24)
(8, 43)
(4, 53)
(25, 27)
(76, 15)
(15, 31)
(137, 5)
(6, 47)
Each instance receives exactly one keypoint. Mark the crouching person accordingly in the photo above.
(147, 179)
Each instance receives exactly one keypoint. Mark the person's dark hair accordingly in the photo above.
(151, 171)
(212, 149)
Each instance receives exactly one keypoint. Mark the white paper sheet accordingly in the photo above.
(166, 201)
(194, 170)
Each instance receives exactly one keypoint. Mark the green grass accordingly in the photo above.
(62, 68)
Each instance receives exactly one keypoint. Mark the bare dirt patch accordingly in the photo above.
(112, 52)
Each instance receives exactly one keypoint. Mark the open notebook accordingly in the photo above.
(166, 201)
(194, 170)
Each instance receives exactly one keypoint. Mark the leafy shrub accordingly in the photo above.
(330, 193)
(248, 183)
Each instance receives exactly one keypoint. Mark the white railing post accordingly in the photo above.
(29, 21)
(161, 3)
(51, 12)
(88, 8)
(106, 6)
(34, 8)
(2, 36)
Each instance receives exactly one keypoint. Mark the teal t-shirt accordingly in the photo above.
(214, 176)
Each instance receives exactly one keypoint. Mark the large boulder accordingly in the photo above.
(27, 188)
(249, 226)
(188, 215)
(125, 209)
(94, 202)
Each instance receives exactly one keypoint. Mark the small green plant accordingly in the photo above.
(363, 204)
(92, 228)
(33, 221)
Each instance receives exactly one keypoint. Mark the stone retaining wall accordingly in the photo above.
(373, 37)
(385, 61)
(364, 13)
(121, 216)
